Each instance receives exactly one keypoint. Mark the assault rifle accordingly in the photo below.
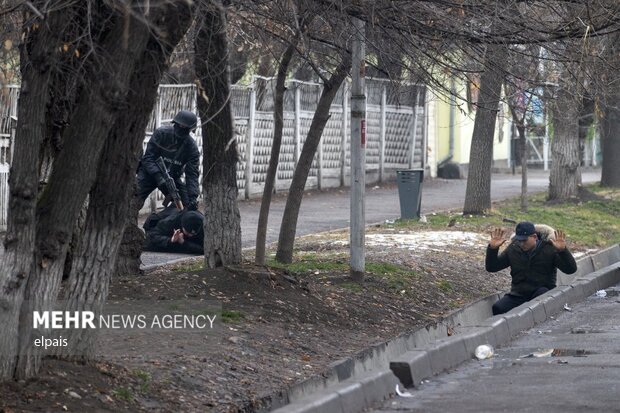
(171, 188)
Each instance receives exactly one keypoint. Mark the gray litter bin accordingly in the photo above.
(410, 192)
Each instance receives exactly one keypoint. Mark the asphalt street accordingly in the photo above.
(329, 210)
(582, 374)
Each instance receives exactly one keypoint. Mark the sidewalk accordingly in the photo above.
(329, 210)
(583, 376)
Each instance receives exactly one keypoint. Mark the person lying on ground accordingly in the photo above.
(533, 258)
(175, 231)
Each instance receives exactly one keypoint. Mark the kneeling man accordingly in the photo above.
(533, 259)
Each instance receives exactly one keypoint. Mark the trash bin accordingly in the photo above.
(410, 192)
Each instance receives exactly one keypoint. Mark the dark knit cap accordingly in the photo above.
(524, 230)
(192, 222)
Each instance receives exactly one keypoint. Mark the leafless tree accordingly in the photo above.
(110, 41)
(222, 219)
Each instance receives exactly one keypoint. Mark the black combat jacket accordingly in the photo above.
(180, 154)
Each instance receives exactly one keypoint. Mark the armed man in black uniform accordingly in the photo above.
(179, 152)
(180, 155)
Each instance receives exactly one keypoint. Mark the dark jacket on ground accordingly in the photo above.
(159, 229)
(179, 154)
(531, 270)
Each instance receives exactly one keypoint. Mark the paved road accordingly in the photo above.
(328, 210)
(584, 377)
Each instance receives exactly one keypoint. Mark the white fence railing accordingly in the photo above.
(391, 141)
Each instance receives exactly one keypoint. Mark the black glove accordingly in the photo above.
(192, 205)
(161, 183)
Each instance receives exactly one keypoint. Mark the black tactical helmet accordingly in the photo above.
(185, 119)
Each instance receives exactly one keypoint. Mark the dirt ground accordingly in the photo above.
(279, 326)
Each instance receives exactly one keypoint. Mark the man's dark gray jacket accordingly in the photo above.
(530, 271)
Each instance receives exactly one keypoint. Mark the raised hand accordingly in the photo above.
(177, 237)
(560, 240)
(497, 238)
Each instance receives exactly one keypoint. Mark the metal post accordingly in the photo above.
(382, 124)
(12, 139)
(546, 143)
(297, 123)
(158, 109)
(249, 147)
(594, 149)
(344, 132)
(358, 155)
(319, 174)
(415, 128)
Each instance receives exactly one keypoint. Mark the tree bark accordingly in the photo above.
(478, 192)
(222, 226)
(524, 156)
(38, 59)
(565, 175)
(111, 198)
(519, 121)
(278, 118)
(288, 228)
(610, 141)
(73, 176)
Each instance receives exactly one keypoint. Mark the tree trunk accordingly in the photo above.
(610, 142)
(129, 251)
(565, 175)
(38, 58)
(73, 175)
(112, 195)
(478, 192)
(278, 118)
(519, 121)
(524, 156)
(222, 226)
(288, 228)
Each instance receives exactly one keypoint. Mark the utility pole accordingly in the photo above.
(358, 153)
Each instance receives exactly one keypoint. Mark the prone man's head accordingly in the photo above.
(191, 222)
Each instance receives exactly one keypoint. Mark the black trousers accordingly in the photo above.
(147, 184)
(509, 301)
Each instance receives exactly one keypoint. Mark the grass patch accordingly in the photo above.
(445, 286)
(232, 316)
(311, 263)
(189, 266)
(355, 287)
(123, 393)
(441, 221)
(145, 380)
(592, 223)
(396, 277)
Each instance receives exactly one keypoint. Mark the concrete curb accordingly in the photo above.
(425, 353)
(378, 357)
(352, 395)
